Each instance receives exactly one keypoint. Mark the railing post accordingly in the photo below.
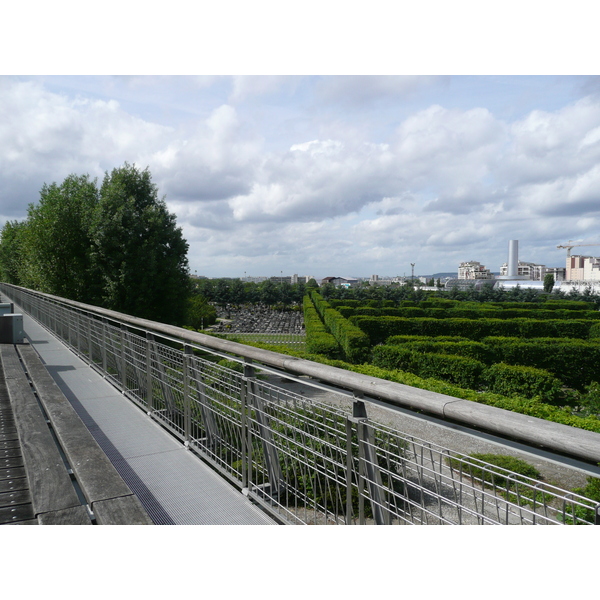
(149, 386)
(123, 332)
(597, 515)
(103, 349)
(245, 429)
(368, 471)
(187, 416)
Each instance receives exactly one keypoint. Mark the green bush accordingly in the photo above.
(470, 349)
(380, 328)
(460, 370)
(592, 491)
(354, 343)
(492, 468)
(515, 380)
(318, 340)
(575, 362)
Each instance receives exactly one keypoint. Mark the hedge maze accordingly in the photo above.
(544, 352)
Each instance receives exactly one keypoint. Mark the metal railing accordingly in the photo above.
(304, 461)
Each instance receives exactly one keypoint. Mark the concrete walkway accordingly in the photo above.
(174, 486)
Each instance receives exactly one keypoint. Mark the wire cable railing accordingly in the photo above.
(304, 461)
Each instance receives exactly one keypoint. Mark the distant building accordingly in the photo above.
(526, 270)
(582, 268)
(473, 270)
(340, 281)
(558, 272)
(376, 280)
(293, 279)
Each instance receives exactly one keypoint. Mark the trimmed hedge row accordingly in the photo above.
(460, 370)
(354, 343)
(507, 380)
(318, 339)
(380, 328)
(468, 313)
(575, 362)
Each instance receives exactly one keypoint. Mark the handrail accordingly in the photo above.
(555, 437)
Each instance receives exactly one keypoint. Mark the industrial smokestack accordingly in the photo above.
(513, 258)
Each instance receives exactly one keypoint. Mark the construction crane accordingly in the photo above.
(570, 245)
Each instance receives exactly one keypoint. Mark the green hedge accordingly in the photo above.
(516, 380)
(460, 370)
(575, 362)
(470, 373)
(477, 350)
(318, 340)
(380, 328)
(354, 342)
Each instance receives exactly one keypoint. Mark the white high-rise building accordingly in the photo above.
(473, 270)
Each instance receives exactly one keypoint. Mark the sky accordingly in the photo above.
(323, 170)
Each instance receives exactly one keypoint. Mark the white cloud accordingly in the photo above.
(282, 171)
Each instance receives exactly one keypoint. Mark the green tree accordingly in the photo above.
(59, 240)
(200, 313)
(269, 292)
(13, 252)
(548, 282)
(139, 254)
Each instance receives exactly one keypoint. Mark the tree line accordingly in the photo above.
(487, 293)
(113, 245)
(235, 291)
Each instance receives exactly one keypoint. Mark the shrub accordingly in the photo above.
(460, 370)
(354, 343)
(515, 380)
(318, 340)
(492, 468)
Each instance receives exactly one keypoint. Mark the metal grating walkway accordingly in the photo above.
(174, 486)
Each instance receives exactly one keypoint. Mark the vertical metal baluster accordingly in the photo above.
(187, 352)
(103, 349)
(123, 358)
(149, 386)
(245, 433)
(349, 429)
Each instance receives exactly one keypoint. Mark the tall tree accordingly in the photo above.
(548, 282)
(12, 252)
(139, 255)
(59, 240)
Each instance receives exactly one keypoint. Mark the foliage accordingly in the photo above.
(318, 339)
(353, 342)
(592, 491)
(548, 282)
(517, 380)
(533, 407)
(59, 239)
(13, 259)
(590, 401)
(460, 370)
(116, 247)
(200, 313)
(139, 253)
